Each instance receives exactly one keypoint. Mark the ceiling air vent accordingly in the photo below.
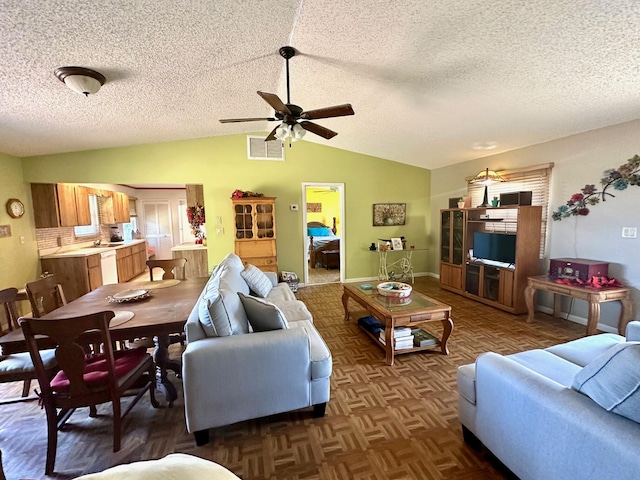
(258, 149)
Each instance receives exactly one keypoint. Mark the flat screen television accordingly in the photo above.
(500, 247)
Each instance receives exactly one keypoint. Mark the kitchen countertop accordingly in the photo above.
(73, 251)
(188, 246)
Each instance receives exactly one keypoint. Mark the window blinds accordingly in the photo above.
(535, 179)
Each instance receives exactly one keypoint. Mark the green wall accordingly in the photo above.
(221, 165)
(18, 261)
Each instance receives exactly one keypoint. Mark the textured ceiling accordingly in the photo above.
(427, 80)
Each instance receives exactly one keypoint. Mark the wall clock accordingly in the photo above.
(15, 208)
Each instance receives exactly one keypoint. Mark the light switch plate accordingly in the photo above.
(629, 232)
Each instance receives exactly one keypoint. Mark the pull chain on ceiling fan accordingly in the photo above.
(294, 120)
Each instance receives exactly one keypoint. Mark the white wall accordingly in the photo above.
(579, 159)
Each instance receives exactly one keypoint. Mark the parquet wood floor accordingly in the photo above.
(382, 423)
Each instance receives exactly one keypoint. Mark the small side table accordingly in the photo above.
(591, 295)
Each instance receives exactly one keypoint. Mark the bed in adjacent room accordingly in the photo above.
(320, 238)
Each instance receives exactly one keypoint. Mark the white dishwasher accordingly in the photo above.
(109, 267)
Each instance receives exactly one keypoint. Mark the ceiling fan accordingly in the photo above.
(294, 120)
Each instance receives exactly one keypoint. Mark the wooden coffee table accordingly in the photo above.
(412, 312)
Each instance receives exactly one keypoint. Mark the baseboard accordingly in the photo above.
(576, 319)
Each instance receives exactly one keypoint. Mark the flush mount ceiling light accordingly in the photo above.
(486, 178)
(80, 80)
(484, 145)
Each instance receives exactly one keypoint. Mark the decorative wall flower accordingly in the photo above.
(196, 218)
(620, 178)
(241, 194)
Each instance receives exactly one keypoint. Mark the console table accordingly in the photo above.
(594, 296)
(402, 264)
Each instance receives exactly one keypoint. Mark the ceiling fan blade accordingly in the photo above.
(272, 135)
(275, 102)
(236, 120)
(318, 130)
(328, 112)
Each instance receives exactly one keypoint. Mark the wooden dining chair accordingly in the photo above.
(45, 295)
(18, 367)
(8, 298)
(168, 266)
(85, 379)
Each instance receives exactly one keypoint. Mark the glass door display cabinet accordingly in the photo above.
(255, 232)
(451, 248)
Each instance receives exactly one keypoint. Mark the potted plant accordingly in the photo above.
(461, 202)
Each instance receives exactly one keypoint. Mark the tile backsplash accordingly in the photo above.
(48, 237)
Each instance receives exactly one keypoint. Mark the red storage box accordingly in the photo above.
(577, 268)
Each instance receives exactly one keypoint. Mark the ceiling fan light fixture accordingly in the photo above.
(290, 114)
(80, 80)
(297, 132)
(282, 132)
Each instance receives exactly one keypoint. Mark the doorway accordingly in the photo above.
(157, 227)
(324, 227)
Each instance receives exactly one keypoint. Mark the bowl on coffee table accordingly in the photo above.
(394, 289)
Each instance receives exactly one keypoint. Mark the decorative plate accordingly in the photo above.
(394, 289)
(129, 296)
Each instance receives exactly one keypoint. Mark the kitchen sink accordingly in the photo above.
(105, 245)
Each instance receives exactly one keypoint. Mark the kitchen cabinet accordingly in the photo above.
(60, 205)
(131, 261)
(197, 259)
(77, 275)
(255, 232)
(114, 208)
(121, 207)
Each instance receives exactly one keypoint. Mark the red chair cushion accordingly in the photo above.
(95, 368)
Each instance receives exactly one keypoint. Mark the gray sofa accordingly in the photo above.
(534, 410)
(247, 374)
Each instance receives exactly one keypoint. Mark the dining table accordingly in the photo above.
(143, 310)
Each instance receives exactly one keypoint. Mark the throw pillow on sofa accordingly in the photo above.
(214, 318)
(263, 316)
(257, 281)
(612, 380)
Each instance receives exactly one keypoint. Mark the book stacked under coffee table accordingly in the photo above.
(410, 312)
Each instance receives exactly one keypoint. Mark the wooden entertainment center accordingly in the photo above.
(500, 285)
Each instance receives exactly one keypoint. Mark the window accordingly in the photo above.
(535, 179)
(129, 230)
(92, 230)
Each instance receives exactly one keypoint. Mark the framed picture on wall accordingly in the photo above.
(389, 214)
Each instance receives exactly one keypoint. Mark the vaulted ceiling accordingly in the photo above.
(428, 80)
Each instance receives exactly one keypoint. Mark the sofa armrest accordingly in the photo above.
(633, 331)
(519, 410)
(192, 328)
(230, 379)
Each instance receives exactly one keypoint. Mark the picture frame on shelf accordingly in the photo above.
(396, 243)
(389, 214)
